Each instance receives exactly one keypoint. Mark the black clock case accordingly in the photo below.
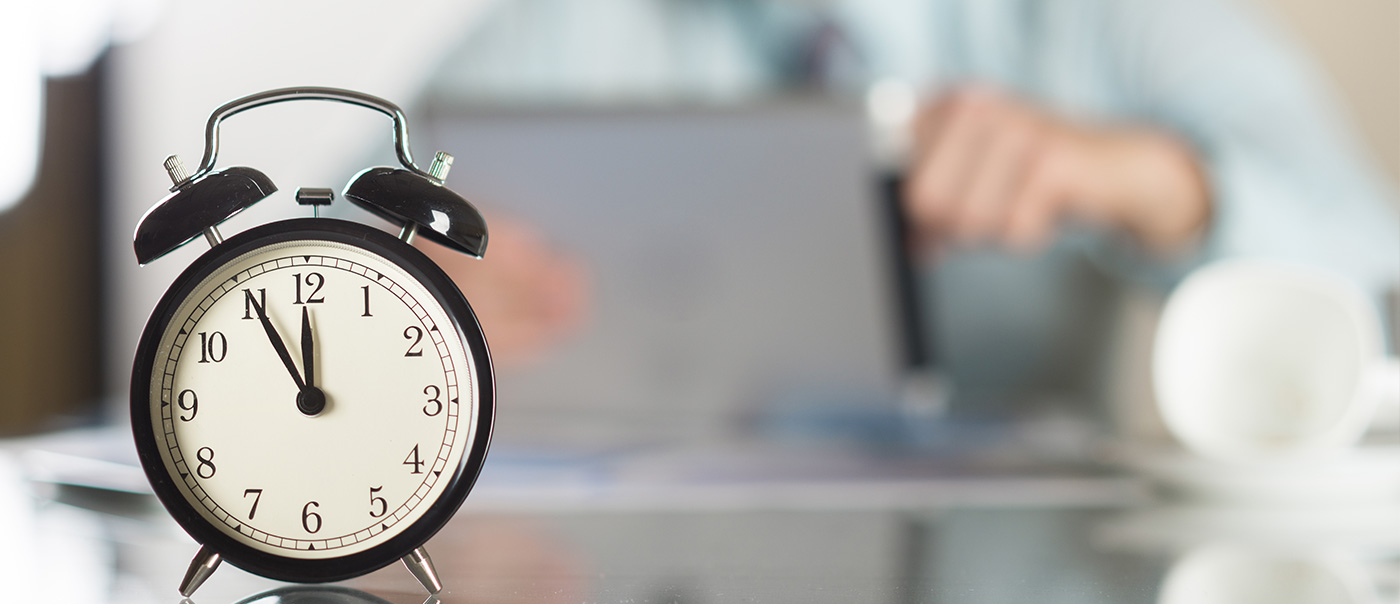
(438, 514)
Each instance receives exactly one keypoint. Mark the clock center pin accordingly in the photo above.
(311, 401)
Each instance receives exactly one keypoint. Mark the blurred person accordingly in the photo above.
(1122, 141)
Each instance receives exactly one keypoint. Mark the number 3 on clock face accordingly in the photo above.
(315, 399)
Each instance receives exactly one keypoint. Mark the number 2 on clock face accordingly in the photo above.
(397, 383)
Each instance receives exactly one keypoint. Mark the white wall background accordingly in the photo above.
(1357, 43)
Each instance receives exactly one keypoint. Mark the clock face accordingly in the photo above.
(366, 467)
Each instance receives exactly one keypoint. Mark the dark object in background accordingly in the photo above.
(912, 303)
(50, 282)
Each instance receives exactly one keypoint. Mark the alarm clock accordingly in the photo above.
(312, 399)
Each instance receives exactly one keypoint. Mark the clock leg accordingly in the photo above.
(421, 566)
(201, 567)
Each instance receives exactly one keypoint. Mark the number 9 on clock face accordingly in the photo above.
(313, 398)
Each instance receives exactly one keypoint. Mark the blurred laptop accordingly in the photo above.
(737, 259)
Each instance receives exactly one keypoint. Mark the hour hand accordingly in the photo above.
(276, 342)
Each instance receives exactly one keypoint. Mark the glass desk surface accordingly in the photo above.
(740, 524)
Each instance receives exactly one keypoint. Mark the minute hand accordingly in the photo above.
(277, 342)
(308, 350)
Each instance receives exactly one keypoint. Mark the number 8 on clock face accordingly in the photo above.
(320, 395)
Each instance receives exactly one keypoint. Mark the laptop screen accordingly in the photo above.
(736, 259)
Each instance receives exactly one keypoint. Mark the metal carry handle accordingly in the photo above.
(306, 93)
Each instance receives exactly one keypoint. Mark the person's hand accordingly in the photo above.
(526, 295)
(986, 166)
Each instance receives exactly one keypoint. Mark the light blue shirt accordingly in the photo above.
(1288, 180)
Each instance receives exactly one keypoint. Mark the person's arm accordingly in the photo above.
(989, 166)
(1287, 178)
(1220, 143)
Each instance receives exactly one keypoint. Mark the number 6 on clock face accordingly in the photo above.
(320, 397)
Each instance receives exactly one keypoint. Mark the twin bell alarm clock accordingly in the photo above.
(312, 399)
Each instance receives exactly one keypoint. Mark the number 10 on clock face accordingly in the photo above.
(312, 398)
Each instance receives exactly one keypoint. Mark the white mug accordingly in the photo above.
(1225, 574)
(1258, 360)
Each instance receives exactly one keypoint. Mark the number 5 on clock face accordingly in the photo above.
(316, 396)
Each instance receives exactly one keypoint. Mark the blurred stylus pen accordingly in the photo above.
(891, 106)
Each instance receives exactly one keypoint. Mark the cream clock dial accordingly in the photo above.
(316, 398)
